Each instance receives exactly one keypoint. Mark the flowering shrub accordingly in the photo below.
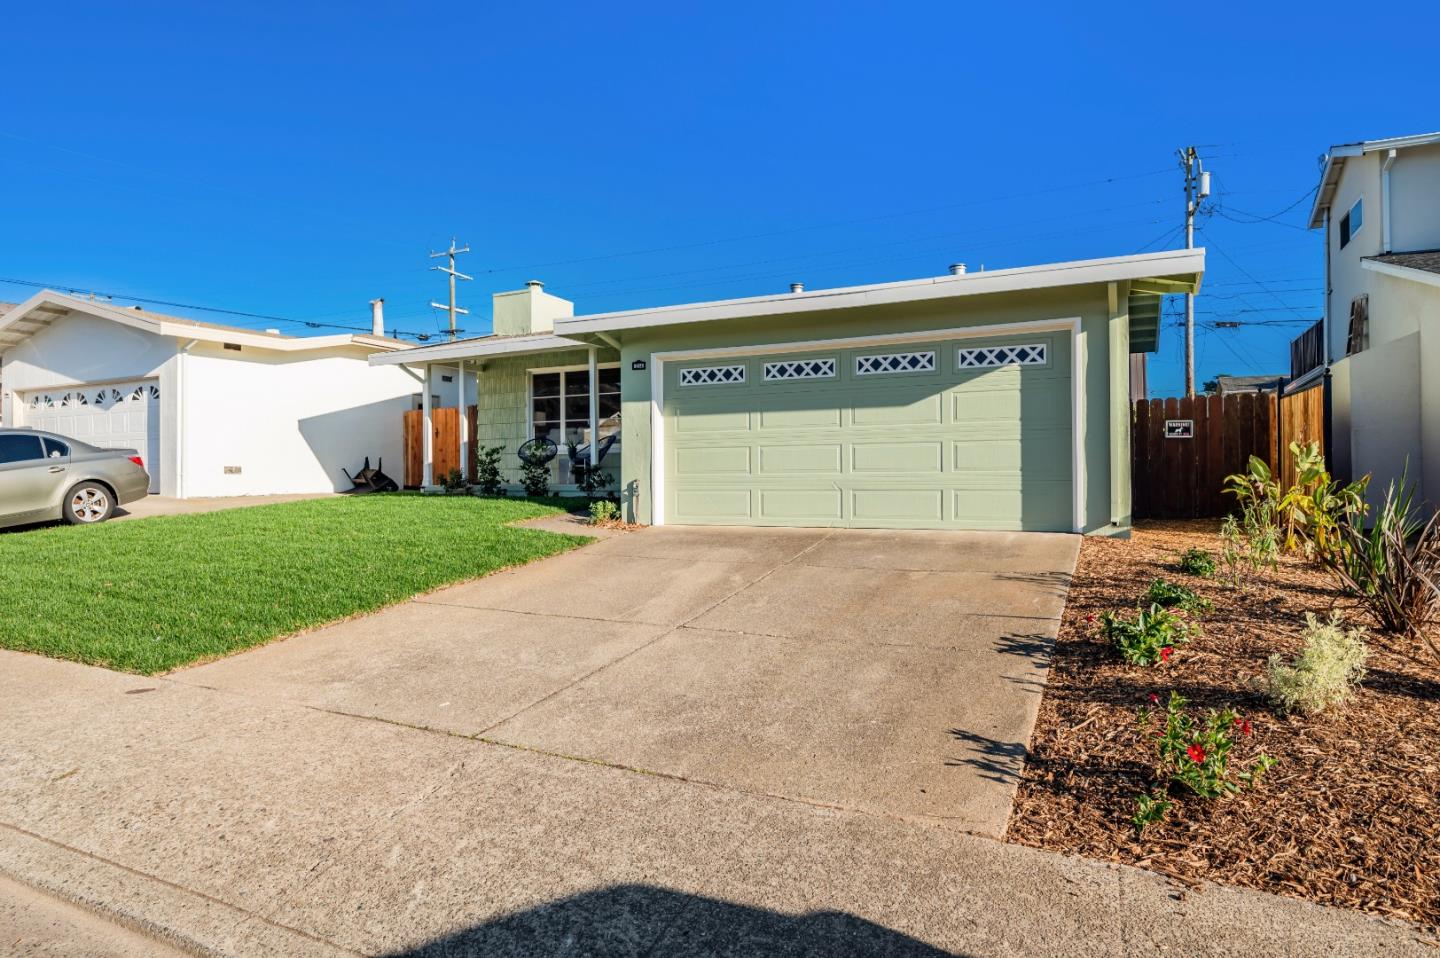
(1195, 754)
(1324, 674)
(1148, 638)
(1169, 595)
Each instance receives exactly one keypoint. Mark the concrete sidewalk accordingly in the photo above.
(239, 827)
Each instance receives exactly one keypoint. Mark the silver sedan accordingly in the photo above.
(44, 476)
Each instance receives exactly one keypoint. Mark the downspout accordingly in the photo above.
(179, 401)
(1385, 200)
(1327, 414)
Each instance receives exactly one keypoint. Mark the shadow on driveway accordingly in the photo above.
(644, 920)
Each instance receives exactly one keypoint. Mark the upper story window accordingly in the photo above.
(1351, 222)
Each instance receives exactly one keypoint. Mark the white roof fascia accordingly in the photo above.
(1079, 272)
(477, 349)
(1335, 165)
(187, 331)
(1402, 272)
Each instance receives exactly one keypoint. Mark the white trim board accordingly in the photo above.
(1077, 395)
(1402, 272)
(1188, 264)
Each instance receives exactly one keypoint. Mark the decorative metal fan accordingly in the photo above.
(537, 452)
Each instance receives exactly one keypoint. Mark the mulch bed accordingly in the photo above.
(1351, 814)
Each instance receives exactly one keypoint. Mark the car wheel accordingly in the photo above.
(87, 504)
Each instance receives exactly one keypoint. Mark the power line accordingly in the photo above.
(1248, 275)
(1274, 217)
(821, 226)
(803, 257)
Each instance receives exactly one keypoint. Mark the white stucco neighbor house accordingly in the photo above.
(1379, 204)
(214, 410)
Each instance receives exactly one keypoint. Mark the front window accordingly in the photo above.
(560, 411)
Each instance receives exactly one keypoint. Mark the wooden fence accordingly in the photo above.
(444, 423)
(1179, 473)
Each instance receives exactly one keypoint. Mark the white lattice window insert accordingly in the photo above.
(922, 362)
(712, 375)
(799, 369)
(982, 357)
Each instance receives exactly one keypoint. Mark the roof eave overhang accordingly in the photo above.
(1402, 272)
(52, 305)
(1177, 271)
(476, 349)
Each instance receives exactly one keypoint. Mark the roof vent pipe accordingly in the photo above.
(377, 317)
(797, 287)
(957, 269)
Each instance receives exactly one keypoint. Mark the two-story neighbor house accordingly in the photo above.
(1379, 204)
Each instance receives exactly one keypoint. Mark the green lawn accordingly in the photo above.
(150, 595)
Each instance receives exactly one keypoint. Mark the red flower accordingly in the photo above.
(1196, 753)
(1245, 728)
(1090, 617)
(1154, 699)
(1165, 653)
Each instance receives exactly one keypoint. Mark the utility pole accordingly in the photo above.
(452, 252)
(1197, 187)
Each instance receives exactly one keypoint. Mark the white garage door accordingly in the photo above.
(113, 416)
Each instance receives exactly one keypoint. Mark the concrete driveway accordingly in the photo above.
(897, 673)
(674, 742)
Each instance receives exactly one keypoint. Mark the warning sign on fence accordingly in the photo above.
(1179, 429)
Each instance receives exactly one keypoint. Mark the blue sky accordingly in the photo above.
(298, 160)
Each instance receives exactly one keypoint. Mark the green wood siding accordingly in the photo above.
(940, 446)
(502, 409)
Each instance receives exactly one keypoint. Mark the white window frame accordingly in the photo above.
(530, 375)
(1348, 221)
(1069, 324)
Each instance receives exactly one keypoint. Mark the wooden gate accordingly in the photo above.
(445, 440)
(1178, 470)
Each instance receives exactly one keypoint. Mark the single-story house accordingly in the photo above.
(1379, 204)
(983, 400)
(213, 410)
(1241, 385)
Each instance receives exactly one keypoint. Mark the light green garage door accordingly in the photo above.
(964, 434)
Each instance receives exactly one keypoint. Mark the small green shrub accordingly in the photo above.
(487, 470)
(1246, 547)
(1198, 562)
(454, 481)
(1150, 809)
(535, 477)
(1170, 595)
(1324, 675)
(603, 512)
(1148, 638)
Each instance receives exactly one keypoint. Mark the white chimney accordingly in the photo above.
(377, 317)
(797, 287)
(957, 269)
